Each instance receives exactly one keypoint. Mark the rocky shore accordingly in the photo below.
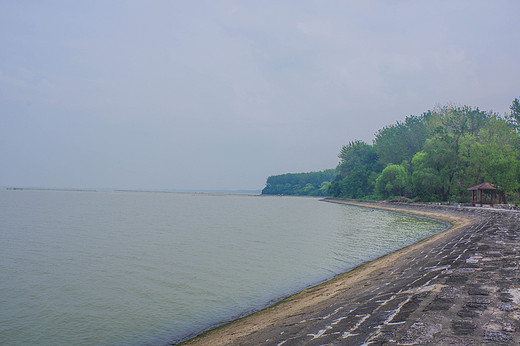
(460, 287)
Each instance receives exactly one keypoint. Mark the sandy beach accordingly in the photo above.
(456, 287)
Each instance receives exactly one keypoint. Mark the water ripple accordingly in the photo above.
(147, 268)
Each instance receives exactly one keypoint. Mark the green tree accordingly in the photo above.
(457, 121)
(308, 189)
(434, 157)
(324, 188)
(392, 181)
(401, 141)
(493, 156)
(434, 169)
(308, 184)
(357, 171)
(424, 177)
(449, 126)
(514, 116)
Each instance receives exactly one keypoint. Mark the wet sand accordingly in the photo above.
(460, 287)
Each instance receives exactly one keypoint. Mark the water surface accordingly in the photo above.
(123, 268)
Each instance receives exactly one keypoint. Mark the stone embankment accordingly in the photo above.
(461, 287)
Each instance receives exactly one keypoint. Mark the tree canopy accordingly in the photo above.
(300, 184)
(435, 156)
(357, 171)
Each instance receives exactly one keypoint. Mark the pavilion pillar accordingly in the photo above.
(479, 194)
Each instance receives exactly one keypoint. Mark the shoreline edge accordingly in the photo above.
(353, 280)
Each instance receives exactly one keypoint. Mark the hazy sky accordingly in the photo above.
(222, 94)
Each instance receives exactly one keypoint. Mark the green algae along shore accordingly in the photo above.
(461, 286)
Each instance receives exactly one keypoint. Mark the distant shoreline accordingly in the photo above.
(223, 192)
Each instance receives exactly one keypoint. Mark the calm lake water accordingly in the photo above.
(133, 268)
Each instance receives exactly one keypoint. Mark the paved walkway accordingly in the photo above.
(463, 289)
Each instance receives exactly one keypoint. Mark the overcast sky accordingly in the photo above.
(222, 94)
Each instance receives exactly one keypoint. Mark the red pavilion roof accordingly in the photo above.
(483, 186)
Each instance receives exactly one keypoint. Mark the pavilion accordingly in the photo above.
(483, 194)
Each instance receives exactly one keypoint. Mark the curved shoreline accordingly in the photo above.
(265, 325)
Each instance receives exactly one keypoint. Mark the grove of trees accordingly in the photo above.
(434, 157)
(300, 184)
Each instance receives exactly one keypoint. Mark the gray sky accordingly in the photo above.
(222, 94)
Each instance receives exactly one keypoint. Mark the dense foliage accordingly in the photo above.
(434, 157)
(301, 184)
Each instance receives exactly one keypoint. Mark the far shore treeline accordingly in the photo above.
(300, 184)
(435, 156)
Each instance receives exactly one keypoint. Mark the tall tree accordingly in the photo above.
(493, 156)
(434, 169)
(451, 124)
(357, 171)
(399, 142)
(514, 115)
(392, 181)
